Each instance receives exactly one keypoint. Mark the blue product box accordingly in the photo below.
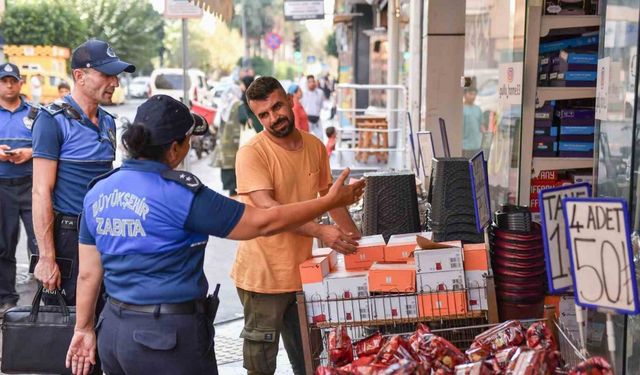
(573, 79)
(576, 116)
(550, 131)
(577, 138)
(543, 116)
(545, 146)
(577, 130)
(575, 146)
(576, 154)
(569, 61)
(583, 41)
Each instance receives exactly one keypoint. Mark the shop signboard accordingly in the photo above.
(480, 190)
(181, 9)
(602, 88)
(554, 237)
(299, 10)
(510, 84)
(599, 243)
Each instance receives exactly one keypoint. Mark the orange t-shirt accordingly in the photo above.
(270, 264)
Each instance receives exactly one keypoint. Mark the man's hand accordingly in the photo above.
(337, 239)
(345, 195)
(82, 351)
(48, 273)
(21, 155)
(3, 156)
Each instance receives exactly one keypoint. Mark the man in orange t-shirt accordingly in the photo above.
(278, 166)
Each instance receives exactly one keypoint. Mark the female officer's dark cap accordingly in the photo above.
(168, 120)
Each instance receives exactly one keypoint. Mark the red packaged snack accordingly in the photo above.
(476, 368)
(534, 362)
(507, 334)
(592, 366)
(371, 369)
(370, 345)
(326, 370)
(404, 367)
(340, 348)
(501, 359)
(364, 360)
(419, 342)
(477, 354)
(445, 356)
(394, 350)
(539, 336)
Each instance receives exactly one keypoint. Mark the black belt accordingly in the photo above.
(15, 181)
(67, 221)
(189, 307)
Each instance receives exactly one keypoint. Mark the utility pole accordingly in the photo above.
(245, 58)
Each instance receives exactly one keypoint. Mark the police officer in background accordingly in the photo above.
(74, 141)
(16, 118)
(144, 229)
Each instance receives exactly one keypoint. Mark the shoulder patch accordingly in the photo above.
(102, 176)
(108, 113)
(185, 179)
(62, 107)
(52, 109)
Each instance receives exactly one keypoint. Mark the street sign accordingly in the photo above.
(602, 267)
(480, 191)
(273, 40)
(554, 235)
(181, 9)
(299, 10)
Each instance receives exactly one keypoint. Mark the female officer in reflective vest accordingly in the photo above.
(144, 229)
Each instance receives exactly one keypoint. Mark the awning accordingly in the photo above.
(222, 8)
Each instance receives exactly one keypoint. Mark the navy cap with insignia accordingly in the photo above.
(168, 120)
(9, 70)
(100, 56)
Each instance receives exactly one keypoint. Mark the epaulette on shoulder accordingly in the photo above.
(107, 112)
(102, 177)
(52, 108)
(185, 179)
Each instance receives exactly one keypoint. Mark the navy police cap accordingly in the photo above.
(100, 56)
(9, 70)
(168, 120)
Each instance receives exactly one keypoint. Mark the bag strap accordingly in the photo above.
(35, 305)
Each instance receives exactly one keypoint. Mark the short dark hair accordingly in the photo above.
(63, 85)
(262, 87)
(330, 131)
(310, 76)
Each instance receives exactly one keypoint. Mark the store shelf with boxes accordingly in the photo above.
(558, 126)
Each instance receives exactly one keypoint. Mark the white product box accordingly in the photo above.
(436, 260)
(477, 290)
(391, 306)
(351, 290)
(328, 252)
(440, 281)
(315, 295)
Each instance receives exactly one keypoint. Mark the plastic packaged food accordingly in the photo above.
(340, 348)
(539, 336)
(505, 335)
(370, 345)
(395, 350)
(476, 368)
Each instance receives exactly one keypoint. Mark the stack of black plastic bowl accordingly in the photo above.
(452, 210)
(517, 259)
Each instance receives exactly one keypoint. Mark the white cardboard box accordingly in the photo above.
(344, 286)
(315, 295)
(440, 281)
(328, 252)
(436, 260)
(394, 307)
(477, 290)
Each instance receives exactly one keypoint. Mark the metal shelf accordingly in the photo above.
(544, 94)
(560, 163)
(565, 22)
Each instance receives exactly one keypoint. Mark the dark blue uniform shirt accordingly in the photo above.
(82, 149)
(15, 132)
(151, 233)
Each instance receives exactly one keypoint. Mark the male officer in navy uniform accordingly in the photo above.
(16, 118)
(73, 142)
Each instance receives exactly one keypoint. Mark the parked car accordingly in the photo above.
(169, 81)
(139, 87)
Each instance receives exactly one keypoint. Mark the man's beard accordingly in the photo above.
(284, 132)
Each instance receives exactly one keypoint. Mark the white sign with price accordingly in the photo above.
(602, 88)
(601, 258)
(554, 237)
(480, 190)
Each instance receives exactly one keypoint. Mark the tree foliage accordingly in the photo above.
(43, 22)
(260, 16)
(331, 48)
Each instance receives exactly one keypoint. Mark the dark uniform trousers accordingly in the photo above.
(15, 204)
(266, 317)
(132, 343)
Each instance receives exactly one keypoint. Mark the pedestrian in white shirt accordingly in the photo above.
(36, 88)
(311, 101)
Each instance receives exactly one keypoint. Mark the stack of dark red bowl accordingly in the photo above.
(517, 259)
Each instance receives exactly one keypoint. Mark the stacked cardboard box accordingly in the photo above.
(476, 268)
(312, 274)
(370, 250)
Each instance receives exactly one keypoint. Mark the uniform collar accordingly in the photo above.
(76, 106)
(23, 105)
(144, 165)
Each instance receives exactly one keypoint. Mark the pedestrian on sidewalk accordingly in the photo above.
(16, 117)
(300, 116)
(145, 229)
(234, 116)
(74, 141)
(281, 165)
(312, 101)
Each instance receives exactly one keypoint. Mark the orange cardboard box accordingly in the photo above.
(434, 305)
(370, 250)
(475, 257)
(329, 253)
(401, 246)
(314, 270)
(396, 277)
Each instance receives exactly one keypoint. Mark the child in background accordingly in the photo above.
(331, 139)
